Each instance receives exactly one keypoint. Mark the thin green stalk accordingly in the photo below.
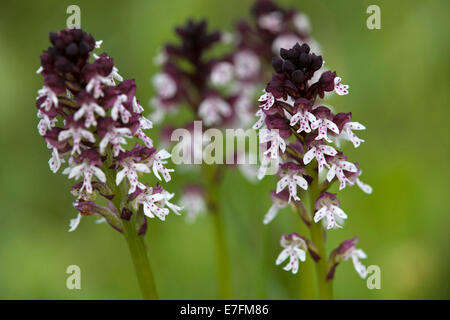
(140, 261)
(223, 260)
(307, 283)
(135, 242)
(266, 263)
(318, 237)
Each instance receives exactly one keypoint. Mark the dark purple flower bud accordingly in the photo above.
(105, 125)
(280, 196)
(316, 62)
(298, 77)
(91, 155)
(284, 53)
(302, 104)
(304, 48)
(288, 67)
(70, 51)
(277, 64)
(338, 254)
(290, 168)
(279, 123)
(341, 119)
(303, 60)
(326, 81)
(56, 83)
(323, 112)
(91, 208)
(126, 214)
(297, 146)
(51, 137)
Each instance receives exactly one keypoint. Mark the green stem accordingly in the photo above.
(140, 260)
(135, 242)
(223, 260)
(307, 283)
(318, 237)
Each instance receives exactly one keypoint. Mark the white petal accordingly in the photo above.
(332, 126)
(75, 171)
(294, 262)
(296, 118)
(348, 166)
(355, 126)
(339, 212)
(331, 173)
(104, 143)
(87, 135)
(360, 268)
(310, 116)
(271, 214)
(63, 135)
(163, 154)
(264, 135)
(307, 158)
(329, 150)
(99, 174)
(364, 187)
(301, 182)
(282, 144)
(320, 214)
(120, 175)
(282, 183)
(282, 256)
(264, 97)
(74, 223)
(155, 171)
(301, 254)
(359, 253)
(142, 167)
(147, 210)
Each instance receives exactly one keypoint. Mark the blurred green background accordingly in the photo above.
(399, 79)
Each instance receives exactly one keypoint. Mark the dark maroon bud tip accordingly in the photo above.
(303, 59)
(298, 76)
(316, 62)
(53, 36)
(277, 64)
(304, 48)
(72, 50)
(293, 54)
(284, 53)
(77, 35)
(59, 43)
(288, 67)
(83, 47)
(297, 47)
(63, 64)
